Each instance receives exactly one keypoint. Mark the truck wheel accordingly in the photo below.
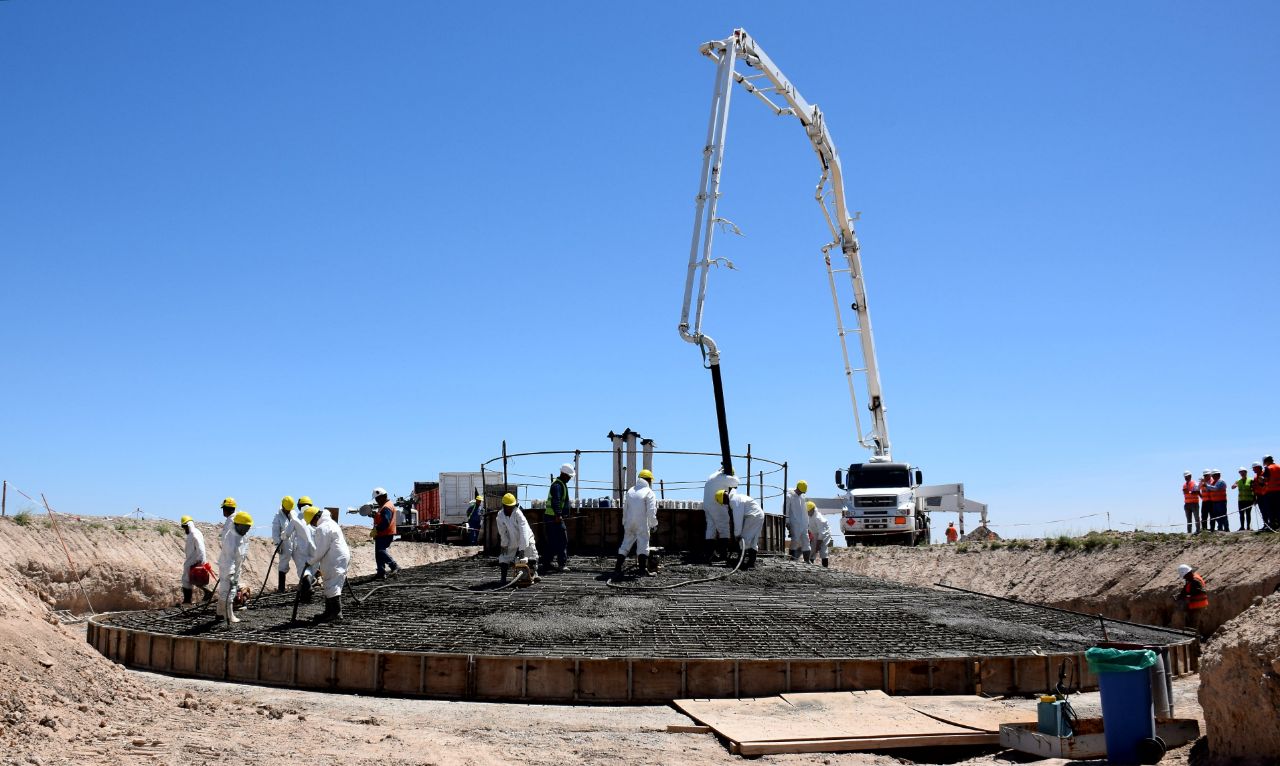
(850, 541)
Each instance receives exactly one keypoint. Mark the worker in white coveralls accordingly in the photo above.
(639, 519)
(515, 538)
(195, 565)
(231, 562)
(797, 520)
(303, 545)
(330, 558)
(282, 536)
(819, 534)
(748, 519)
(717, 514)
(228, 510)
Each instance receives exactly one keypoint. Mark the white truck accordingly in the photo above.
(884, 501)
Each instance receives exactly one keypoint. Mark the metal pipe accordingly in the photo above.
(722, 422)
(505, 483)
(748, 468)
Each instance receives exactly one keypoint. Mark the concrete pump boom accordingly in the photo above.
(830, 194)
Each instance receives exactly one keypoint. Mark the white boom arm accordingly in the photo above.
(830, 194)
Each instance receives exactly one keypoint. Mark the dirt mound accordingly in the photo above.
(1123, 576)
(1240, 686)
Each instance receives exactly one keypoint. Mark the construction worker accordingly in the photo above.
(1260, 494)
(303, 545)
(384, 531)
(1194, 595)
(554, 515)
(747, 519)
(797, 520)
(515, 538)
(1244, 499)
(330, 559)
(819, 529)
(231, 563)
(1271, 481)
(639, 519)
(195, 566)
(1191, 502)
(952, 533)
(1205, 486)
(282, 536)
(228, 510)
(1218, 494)
(717, 515)
(475, 519)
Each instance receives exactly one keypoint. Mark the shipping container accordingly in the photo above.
(459, 488)
(426, 501)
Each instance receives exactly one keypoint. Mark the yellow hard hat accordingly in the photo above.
(646, 474)
(286, 503)
(802, 486)
(508, 499)
(811, 506)
(183, 521)
(304, 501)
(229, 502)
(242, 517)
(720, 496)
(309, 513)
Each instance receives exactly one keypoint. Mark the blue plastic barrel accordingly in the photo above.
(1128, 715)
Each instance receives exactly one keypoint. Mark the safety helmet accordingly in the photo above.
(304, 501)
(646, 474)
(183, 521)
(229, 502)
(286, 503)
(509, 500)
(1207, 472)
(802, 486)
(1242, 469)
(378, 492)
(1186, 473)
(720, 496)
(1184, 570)
(309, 513)
(1256, 464)
(811, 506)
(1216, 472)
(242, 517)
(567, 470)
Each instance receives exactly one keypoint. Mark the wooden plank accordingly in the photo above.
(864, 743)
(401, 673)
(968, 711)
(656, 680)
(242, 662)
(684, 728)
(550, 679)
(275, 664)
(754, 719)
(846, 715)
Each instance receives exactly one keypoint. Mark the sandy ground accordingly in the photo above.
(63, 703)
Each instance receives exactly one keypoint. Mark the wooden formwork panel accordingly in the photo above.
(604, 680)
(316, 668)
(861, 675)
(357, 671)
(402, 673)
(548, 678)
(275, 664)
(142, 650)
(999, 675)
(185, 651)
(242, 661)
(212, 661)
(762, 678)
(951, 676)
(446, 676)
(499, 677)
(162, 653)
(814, 676)
(705, 679)
(657, 680)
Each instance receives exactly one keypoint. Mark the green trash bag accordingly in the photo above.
(1119, 660)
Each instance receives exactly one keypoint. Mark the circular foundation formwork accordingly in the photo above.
(445, 631)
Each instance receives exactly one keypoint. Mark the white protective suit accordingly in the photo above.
(303, 544)
(748, 519)
(820, 532)
(515, 535)
(797, 522)
(282, 536)
(331, 555)
(231, 562)
(639, 517)
(717, 515)
(196, 554)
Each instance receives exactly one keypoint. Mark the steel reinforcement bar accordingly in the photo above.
(578, 680)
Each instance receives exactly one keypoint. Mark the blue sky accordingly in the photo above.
(255, 249)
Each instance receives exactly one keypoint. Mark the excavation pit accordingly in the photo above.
(445, 631)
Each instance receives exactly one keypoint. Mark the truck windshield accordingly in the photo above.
(877, 477)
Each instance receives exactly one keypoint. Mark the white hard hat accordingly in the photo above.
(567, 470)
(378, 492)
(1243, 469)
(1216, 471)
(1184, 570)
(1186, 473)
(1256, 464)
(1207, 471)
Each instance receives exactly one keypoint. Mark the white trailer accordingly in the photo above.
(459, 488)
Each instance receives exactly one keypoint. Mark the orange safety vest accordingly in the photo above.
(1259, 483)
(1271, 478)
(389, 508)
(1197, 598)
(1190, 492)
(952, 534)
(1217, 494)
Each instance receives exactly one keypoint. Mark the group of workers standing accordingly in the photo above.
(1205, 501)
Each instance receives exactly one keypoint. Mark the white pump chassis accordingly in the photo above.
(830, 195)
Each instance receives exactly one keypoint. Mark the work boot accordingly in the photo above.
(644, 566)
(750, 561)
(305, 584)
(380, 576)
(617, 567)
(503, 568)
(795, 554)
(208, 595)
(825, 563)
(186, 595)
(395, 570)
(231, 613)
(332, 610)
(220, 609)
(280, 578)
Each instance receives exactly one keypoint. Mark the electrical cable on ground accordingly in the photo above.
(741, 555)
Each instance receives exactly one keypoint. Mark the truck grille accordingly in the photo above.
(876, 501)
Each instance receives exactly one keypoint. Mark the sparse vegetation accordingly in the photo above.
(22, 518)
(962, 547)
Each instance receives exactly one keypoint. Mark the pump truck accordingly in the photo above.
(884, 501)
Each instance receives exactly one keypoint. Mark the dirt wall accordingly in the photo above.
(1240, 687)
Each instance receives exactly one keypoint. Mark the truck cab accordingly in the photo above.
(880, 504)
